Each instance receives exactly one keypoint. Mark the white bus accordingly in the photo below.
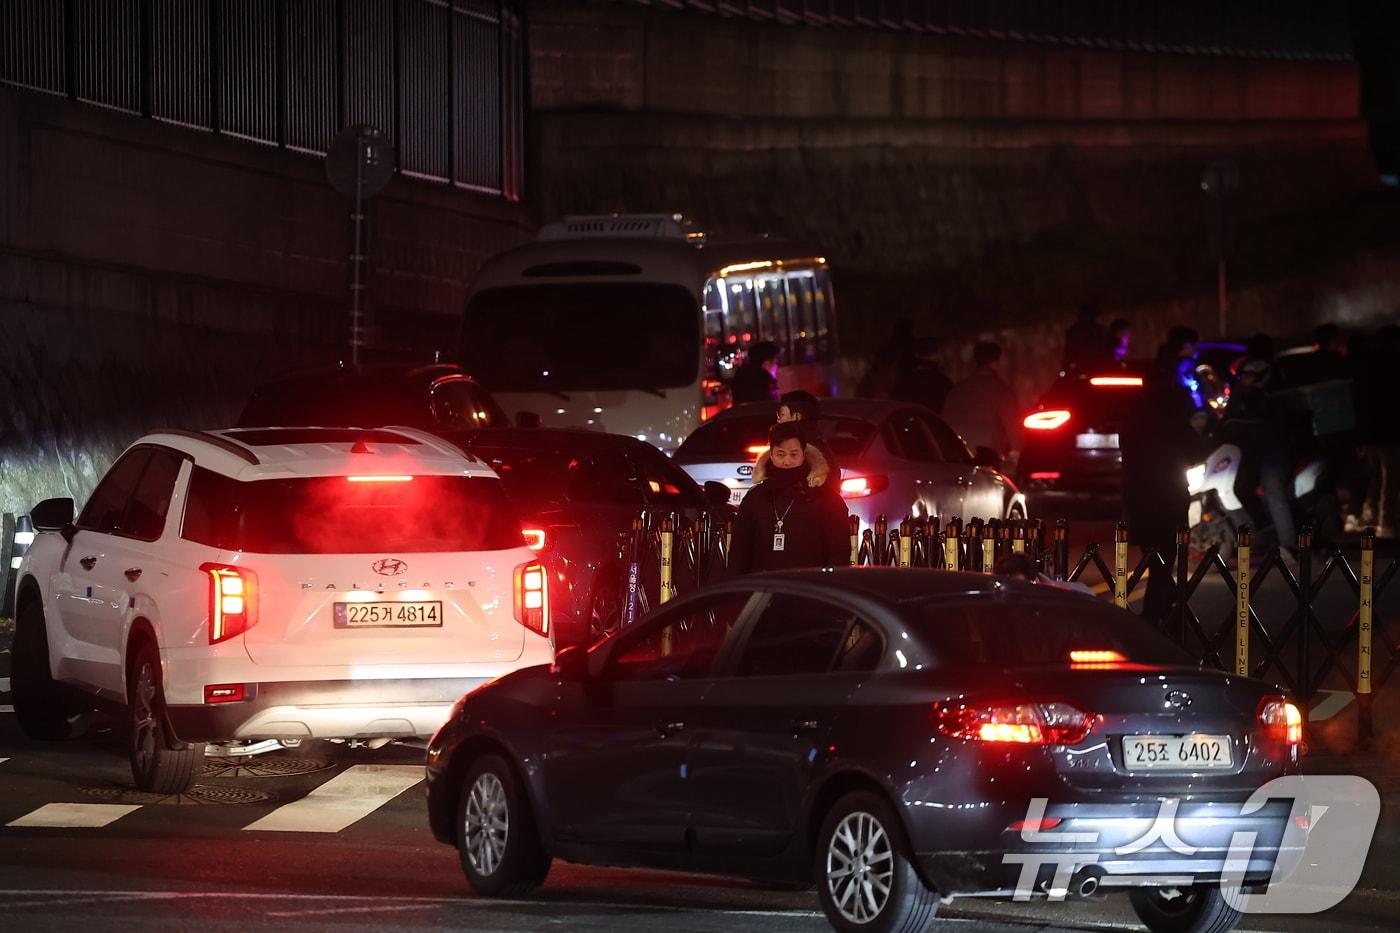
(634, 324)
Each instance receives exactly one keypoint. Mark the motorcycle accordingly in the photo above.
(1216, 512)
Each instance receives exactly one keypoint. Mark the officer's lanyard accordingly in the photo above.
(780, 539)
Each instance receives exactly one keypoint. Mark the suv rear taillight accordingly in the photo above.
(1047, 420)
(1281, 720)
(1037, 723)
(532, 597)
(233, 600)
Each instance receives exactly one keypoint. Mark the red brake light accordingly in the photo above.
(1116, 381)
(536, 539)
(758, 450)
(532, 597)
(1282, 720)
(1047, 420)
(225, 693)
(858, 487)
(1096, 657)
(1043, 723)
(1046, 475)
(233, 600)
(379, 479)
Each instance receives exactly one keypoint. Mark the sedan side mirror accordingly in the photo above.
(572, 663)
(52, 515)
(716, 494)
(987, 457)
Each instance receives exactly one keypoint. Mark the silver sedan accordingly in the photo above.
(896, 459)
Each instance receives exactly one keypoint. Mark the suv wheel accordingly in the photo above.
(46, 710)
(1183, 910)
(159, 764)
(865, 878)
(497, 840)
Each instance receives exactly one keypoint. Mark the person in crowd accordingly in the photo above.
(1159, 444)
(1086, 341)
(784, 522)
(756, 380)
(921, 379)
(890, 359)
(801, 408)
(1255, 423)
(1120, 340)
(983, 408)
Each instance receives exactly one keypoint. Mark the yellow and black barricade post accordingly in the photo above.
(1305, 601)
(1061, 549)
(1242, 571)
(989, 547)
(973, 535)
(906, 542)
(929, 558)
(882, 528)
(855, 539)
(728, 539)
(951, 541)
(1183, 551)
(668, 547)
(1364, 688)
(1018, 538)
(1120, 566)
(867, 547)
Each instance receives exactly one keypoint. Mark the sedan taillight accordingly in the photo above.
(1281, 720)
(532, 597)
(233, 600)
(1043, 723)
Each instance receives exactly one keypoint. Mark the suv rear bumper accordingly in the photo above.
(325, 709)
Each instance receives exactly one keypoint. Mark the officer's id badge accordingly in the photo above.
(779, 541)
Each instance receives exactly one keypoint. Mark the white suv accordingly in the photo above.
(274, 583)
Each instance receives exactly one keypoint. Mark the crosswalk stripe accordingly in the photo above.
(74, 815)
(349, 796)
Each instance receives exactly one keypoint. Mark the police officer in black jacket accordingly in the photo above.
(783, 522)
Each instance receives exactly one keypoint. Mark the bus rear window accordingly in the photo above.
(332, 515)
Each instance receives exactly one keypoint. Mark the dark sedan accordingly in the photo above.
(576, 492)
(893, 736)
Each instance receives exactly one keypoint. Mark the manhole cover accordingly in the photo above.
(200, 794)
(253, 767)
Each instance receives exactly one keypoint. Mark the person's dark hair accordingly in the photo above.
(1119, 327)
(784, 431)
(1260, 346)
(765, 351)
(1327, 333)
(984, 353)
(801, 402)
(1016, 565)
(1179, 336)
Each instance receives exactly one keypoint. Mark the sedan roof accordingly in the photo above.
(901, 585)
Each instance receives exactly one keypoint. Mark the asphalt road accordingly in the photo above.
(327, 837)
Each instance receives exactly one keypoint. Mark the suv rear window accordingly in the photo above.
(1101, 404)
(529, 473)
(1016, 634)
(729, 439)
(331, 515)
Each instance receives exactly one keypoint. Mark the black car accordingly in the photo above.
(881, 733)
(576, 492)
(435, 397)
(1070, 442)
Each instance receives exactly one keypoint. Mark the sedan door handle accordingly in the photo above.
(800, 726)
(133, 574)
(668, 729)
(88, 562)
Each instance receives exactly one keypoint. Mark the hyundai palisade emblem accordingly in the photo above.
(746, 470)
(389, 567)
(1178, 699)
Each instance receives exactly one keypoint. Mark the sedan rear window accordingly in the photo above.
(332, 515)
(726, 440)
(1020, 633)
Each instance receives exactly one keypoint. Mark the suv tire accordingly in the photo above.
(1190, 910)
(46, 710)
(497, 839)
(159, 763)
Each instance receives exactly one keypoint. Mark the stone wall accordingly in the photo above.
(151, 274)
